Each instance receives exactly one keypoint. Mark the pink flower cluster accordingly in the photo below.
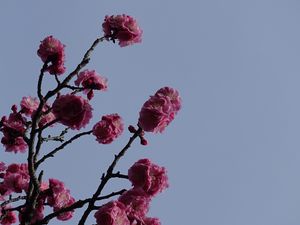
(161, 108)
(72, 111)
(52, 51)
(13, 129)
(8, 217)
(132, 206)
(15, 179)
(29, 105)
(91, 80)
(148, 176)
(124, 28)
(108, 129)
(59, 198)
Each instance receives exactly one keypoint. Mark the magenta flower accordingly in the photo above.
(91, 80)
(136, 202)
(108, 129)
(15, 179)
(29, 105)
(159, 111)
(52, 50)
(59, 198)
(112, 213)
(9, 217)
(122, 27)
(72, 111)
(45, 119)
(13, 130)
(148, 176)
(151, 221)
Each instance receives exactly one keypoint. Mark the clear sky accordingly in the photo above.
(233, 152)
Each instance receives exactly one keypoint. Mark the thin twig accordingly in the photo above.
(76, 205)
(11, 200)
(51, 154)
(119, 175)
(105, 177)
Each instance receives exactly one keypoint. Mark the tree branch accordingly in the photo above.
(51, 154)
(105, 177)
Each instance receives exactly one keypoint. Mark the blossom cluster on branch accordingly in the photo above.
(24, 193)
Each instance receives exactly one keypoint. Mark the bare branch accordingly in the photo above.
(51, 154)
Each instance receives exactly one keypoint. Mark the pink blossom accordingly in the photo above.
(173, 95)
(112, 213)
(59, 198)
(122, 27)
(157, 113)
(108, 129)
(91, 80)
(65, 200)
(9, 218)
(72, 111)
(13, 130)
(148, 176)
(136, 202)
(52, 50)
(16, 178)
(45, 119)
(151, 221)
(29, 105)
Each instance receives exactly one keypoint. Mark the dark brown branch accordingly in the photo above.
(47, 125)
(119, 175)
(85, 60)
(11, 200)
(105, 177)
(76, 205)
(51, 154)
(111, 195)
(40, 81)
(34, 186)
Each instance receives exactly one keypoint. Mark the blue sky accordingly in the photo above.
(233, 151)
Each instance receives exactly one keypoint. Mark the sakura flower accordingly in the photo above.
(91, 80)
(108, 129)
(45, 119)
(15, 179)
(159, 110)
(59, 198)
(112, 213)
(29, 105)
(52, 50)
(136, 202)
(13, 129)
(148, 176)
(151, 221)
(122, 27)
(8, 218)
(72, 111)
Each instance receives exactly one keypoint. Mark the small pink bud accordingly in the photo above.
(14, 108)
(131, 129)
(144, 141)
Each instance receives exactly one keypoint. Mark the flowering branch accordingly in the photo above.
(105, 177)
(75, 112)
(82, 64)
